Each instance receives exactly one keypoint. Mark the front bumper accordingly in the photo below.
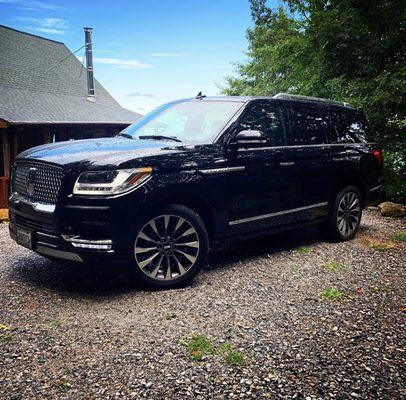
(83, 233)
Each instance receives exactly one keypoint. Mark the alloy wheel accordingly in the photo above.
(166, 247)
(348, 214)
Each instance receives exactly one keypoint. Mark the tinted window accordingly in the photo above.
(264, 118)
(348, 127)
(307, 126)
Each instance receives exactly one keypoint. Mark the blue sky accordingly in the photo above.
(146, 52)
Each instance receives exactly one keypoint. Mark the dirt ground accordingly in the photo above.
(286, 316)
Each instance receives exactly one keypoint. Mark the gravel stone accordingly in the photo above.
(82, 332)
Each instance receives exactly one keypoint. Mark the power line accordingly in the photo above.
(63, 59)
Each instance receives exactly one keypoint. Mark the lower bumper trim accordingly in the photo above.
(65, 255)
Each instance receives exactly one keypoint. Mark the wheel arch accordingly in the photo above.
(194, 201)
(356, 181)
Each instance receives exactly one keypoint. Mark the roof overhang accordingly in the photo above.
(64, 123)
(3, 123)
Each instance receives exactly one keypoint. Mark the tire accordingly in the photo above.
(174, 237)
(345, 215)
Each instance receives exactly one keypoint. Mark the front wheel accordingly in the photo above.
(170, 247)
(345, 215)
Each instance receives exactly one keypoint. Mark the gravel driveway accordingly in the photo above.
(286, 316)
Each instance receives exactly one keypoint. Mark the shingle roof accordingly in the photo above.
(37, 87)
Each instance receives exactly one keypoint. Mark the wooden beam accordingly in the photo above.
(15, 144)
(3, 124)
(46, 135)
(6, 152)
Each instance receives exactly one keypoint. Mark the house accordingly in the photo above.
(47, 95)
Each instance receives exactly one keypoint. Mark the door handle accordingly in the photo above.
(287, 164)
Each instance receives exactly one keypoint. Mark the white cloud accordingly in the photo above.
(46, 25)
(122, 63)
(169, 54)
(137, 94)
(32, 5)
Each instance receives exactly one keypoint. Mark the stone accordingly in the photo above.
(3, 214)
(389, 209)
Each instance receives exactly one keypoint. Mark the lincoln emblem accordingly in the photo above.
(32, 173)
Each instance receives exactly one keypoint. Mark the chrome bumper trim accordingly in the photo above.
(65, 255)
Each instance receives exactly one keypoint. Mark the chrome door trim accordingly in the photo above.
(210, 171)
(303, 146)
(275, 214)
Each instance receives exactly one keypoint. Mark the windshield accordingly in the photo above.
(188, 121)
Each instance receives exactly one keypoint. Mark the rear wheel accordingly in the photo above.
(345, 215)
(170, 247)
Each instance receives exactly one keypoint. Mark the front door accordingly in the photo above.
(259, 184)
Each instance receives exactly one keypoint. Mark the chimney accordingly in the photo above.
(89, 64)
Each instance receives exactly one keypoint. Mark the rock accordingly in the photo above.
(389, 209)
(3, 214)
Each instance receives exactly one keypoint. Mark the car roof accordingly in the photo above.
(279, 96)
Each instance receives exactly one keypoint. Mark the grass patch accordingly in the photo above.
(332, 294)
(198, 346)
(51, 323)
(333, 266)
(231, 355)
(6, 338)
(5, 328)
(303, 250)
(64, 384)
(382, 247)
(399, 236)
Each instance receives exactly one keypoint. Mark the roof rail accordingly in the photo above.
(288, 96)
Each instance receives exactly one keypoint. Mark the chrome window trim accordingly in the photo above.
(303, 145)
(275, 214)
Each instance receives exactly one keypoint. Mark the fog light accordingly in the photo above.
(92, 246)
(97, 244)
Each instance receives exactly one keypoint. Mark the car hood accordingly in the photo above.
(116, 152)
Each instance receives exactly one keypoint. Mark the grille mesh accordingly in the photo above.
(46, 182)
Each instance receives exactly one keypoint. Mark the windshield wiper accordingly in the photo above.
(160, 137)
(126, 135)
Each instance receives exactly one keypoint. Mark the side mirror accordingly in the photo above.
(248, 138)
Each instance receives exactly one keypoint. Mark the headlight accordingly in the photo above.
(108, 183)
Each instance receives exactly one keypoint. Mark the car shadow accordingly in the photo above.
(261, 246)
(107, 281)
(81, 280)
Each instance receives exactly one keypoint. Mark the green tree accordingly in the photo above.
(346, 50)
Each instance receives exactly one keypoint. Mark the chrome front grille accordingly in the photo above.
(37, 181)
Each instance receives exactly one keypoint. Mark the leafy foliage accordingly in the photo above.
(345, 50)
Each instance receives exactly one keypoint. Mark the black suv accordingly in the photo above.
(194, 174)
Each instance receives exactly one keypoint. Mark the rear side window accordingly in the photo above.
(264, 118)
(307, 125)
(348, 127)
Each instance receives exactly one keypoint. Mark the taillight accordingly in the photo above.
(378, 156)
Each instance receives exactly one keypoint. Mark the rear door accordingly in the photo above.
(351, 149)
(308, 149)
(260, 185)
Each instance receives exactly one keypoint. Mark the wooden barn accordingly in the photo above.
(47, 95)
